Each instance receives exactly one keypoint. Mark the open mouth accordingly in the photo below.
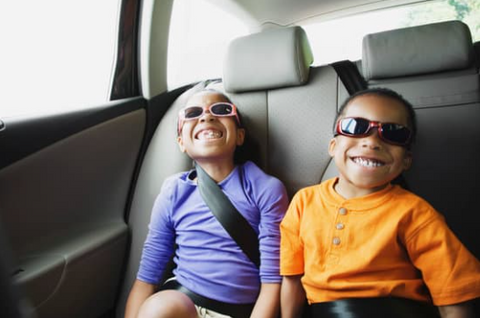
(209, 134)
(367, 162)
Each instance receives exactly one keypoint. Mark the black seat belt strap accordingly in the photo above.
(234, 223)
(348, 73)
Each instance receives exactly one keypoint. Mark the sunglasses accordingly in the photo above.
(221, 109)
(360, 127)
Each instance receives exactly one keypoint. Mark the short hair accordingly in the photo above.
(383, 92)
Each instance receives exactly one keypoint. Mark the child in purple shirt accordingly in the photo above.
(208, 261)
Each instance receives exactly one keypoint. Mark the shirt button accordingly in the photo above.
(340, 226)
(342, 211)
(336, 241)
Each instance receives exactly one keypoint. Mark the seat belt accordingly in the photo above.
(234, 223)
(348, 73)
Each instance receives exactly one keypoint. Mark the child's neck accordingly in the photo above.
(217, 171)
(348, 190)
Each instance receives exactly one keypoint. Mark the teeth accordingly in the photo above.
(367, 162)
(210, 134)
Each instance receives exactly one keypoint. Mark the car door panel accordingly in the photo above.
(62, 203)
(30, 133)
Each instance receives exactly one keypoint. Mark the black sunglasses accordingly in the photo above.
(360, 127)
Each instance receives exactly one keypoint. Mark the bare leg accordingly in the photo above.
(168, 304)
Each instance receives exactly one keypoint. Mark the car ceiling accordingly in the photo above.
(261, 14)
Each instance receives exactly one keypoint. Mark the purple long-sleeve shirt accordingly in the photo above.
(208, 261)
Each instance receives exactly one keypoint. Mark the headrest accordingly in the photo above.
(476, 49)
(423, 49)
(268, 60)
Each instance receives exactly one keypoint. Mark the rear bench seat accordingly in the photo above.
(289, 108)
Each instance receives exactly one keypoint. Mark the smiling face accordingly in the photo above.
(210, 139)
(368, 164)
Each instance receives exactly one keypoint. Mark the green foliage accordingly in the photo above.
(467, 11)
(462, 8)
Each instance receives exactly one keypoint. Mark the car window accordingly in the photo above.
(341, 39)
(199, 35)
(56, 54)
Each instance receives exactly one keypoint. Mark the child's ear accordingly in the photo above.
(331, 147)
(407, 160)
(180, 144)
(240, 136)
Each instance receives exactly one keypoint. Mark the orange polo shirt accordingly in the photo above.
(389, 243)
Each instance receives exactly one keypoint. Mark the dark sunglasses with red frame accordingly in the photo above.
(357, 127)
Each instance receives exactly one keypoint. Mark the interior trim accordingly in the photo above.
(26, 135)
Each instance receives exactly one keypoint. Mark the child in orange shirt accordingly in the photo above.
(359, 236)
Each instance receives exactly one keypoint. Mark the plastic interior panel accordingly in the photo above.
(70, 238)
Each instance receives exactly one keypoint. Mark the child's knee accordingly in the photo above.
(168, 304)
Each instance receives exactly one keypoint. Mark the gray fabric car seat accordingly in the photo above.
(433, 66)
(476, 48)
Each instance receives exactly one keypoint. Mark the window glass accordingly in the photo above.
(342, 38)
(199, 35)
(56, 54)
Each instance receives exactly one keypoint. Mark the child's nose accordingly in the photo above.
(206, 116)
(373, 139)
